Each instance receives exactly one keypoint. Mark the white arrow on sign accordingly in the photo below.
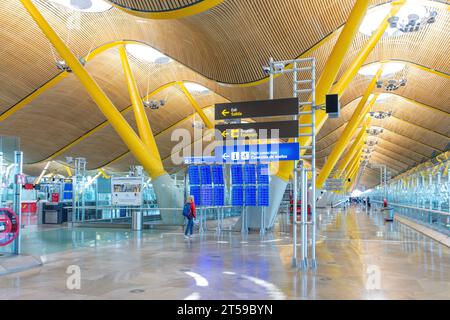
(226, 156)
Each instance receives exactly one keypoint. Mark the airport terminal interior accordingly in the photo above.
(224, 149)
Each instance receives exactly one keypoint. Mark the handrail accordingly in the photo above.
(140, 208)
(339, 203)
(416, 208)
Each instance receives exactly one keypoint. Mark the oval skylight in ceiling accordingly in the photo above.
(195, 87)
(375, 16)
(84, 5)
(389, 68)
(147, 53)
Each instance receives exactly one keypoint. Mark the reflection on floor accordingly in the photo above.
(359, 257)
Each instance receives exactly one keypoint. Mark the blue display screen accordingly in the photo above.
(263, 173)
(205, 174)
(249, 174)
(263, 196)
(206, 195)
(250, 196)
(194, 176)
(195, 192)
(217, 173)
(236, 175)
(219, 196)
(237, 196)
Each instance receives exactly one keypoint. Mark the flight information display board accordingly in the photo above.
(250, 196)
(237, 196)
(194, 175)
(263, 195)
(263, 173)
(237, 175)
(195, 192)
(219, 196)
(206, 195)
(205, 175)
(249, 174)
(217, 174)
(251, 182)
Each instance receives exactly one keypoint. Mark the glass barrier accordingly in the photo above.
(422, 195)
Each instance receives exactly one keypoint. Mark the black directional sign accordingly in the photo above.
(258, 130)
(251, 109)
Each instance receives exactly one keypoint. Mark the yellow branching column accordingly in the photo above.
(287, 167)
(145, 131)
(357, 144)
(358, 116)
(118, 122)
(195, 105)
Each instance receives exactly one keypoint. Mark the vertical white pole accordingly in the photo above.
(271, 84)
(295, 195)
(313, 164)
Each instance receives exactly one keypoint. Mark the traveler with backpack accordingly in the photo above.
(190, 214)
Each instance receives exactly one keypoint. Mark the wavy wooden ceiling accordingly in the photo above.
(216, 48)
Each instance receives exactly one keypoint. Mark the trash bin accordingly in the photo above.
(136, 221)
(388, 214)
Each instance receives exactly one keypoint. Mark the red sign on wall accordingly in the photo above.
(55, 197)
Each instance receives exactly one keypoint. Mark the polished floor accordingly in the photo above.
(359, 257)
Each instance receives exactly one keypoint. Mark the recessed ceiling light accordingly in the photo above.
(388, 69)
(375, 16)
(84, 5)
(195, 87)
(147, 53)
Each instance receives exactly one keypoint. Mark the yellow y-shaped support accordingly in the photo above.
(358, 115)
(197, 108)
(353, 164)
(287, 167)
(145, 131)
(116, 119)
(69, 172)
(353, 173)
(357, 145)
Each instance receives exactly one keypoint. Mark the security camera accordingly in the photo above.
(162, 103)
(278, 66)
(266, 70)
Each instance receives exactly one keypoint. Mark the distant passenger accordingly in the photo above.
(190, 214)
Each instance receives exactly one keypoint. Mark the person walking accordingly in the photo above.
(189, 212)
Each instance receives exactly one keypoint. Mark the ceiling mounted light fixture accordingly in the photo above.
(195, 87)
(371, 143)
(374, 131)
(154, 104)
(147, 53)
(392, 84)
(413, 16)
(84, 5)
(381, 115)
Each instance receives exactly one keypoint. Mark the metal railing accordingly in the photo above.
(434, 219)
(149, 215)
